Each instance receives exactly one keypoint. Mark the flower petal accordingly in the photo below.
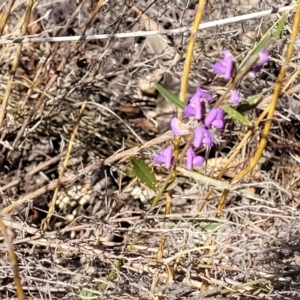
(208, 139)
(198, 161)
(198, 110)
(200, 94)
(159, 159)
(210, 117)
(263, 57)
(225, 66)
(175, 126)
(235, 97)
(198, 137)
(165, 156)
(215, 118)
(229, 67)
(219, 68)
(204, 94)
(189, 111)
(169, 156)
(189, 158)
(218, 123)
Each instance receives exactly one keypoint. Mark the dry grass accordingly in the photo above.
(73, 112)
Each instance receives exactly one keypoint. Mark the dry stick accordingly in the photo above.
(155, 279)
(5, 14)
(74, 133)
(15, 63)
(13, 260)
(14, 182)
(247, 17)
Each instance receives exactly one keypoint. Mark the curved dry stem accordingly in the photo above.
(13, 260)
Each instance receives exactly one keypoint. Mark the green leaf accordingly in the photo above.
(234, 114)
(253, 99)
(169, 96)
(85, 295)
(280, 26)
(207, 226)
(143, 172)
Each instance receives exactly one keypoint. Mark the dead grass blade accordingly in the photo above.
(13, 259)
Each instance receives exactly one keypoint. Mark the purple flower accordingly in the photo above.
(263, 59)
(235, 97)
(215, 118)
(177, 127)
(201, 94)
(165, 157)
(202, 137)
(225, 66)
(194, 108)
(192, 160)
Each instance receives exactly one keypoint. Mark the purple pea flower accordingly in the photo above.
(215, 118)
(178, 127)
(263, 59)
(165, 157)
(202, 137)
(194, 108)
(192, 160)
(225, 66)
(235, 97)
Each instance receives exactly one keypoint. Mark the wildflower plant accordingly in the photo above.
(207, 122)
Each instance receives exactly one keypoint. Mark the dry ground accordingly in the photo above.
(104, 241)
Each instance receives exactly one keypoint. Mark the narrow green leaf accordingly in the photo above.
(208, 226)
(85, 294)
(253, 99)
(266, 39)
(248, 104)
(169, 96)
(280, 26)
(143, 172)
(234, 114)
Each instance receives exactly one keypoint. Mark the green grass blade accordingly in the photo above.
(266, 39)
(143, 172)
(169, 96)
(280, 26)
(235, 115)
